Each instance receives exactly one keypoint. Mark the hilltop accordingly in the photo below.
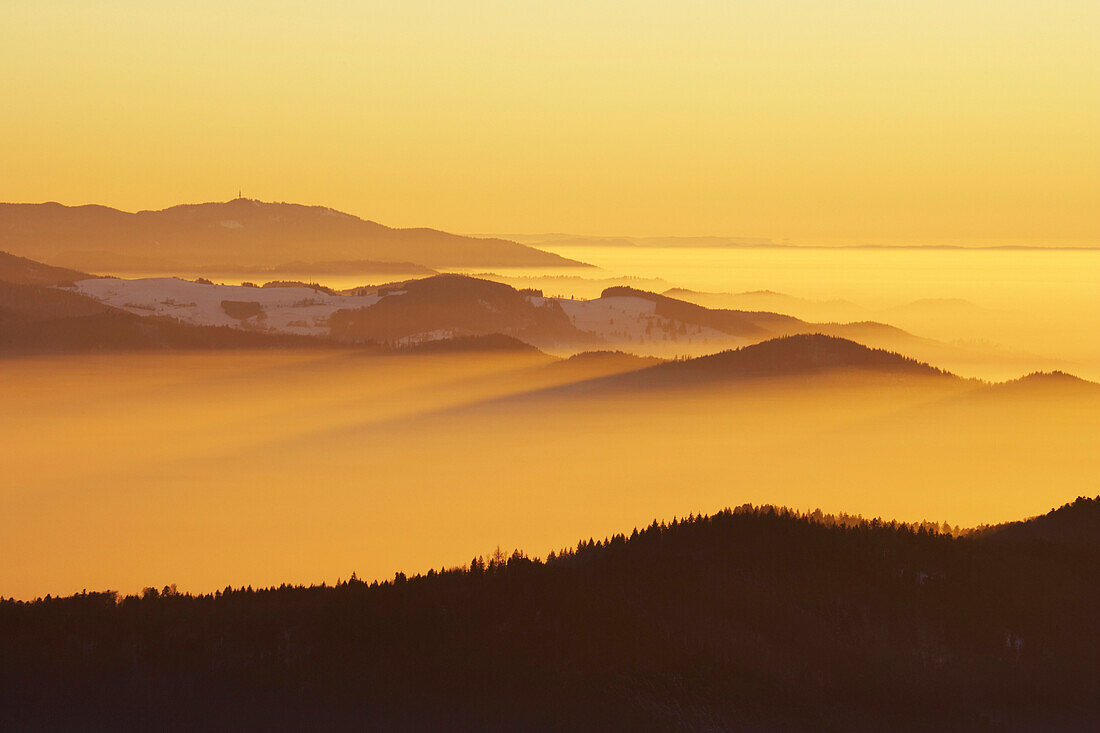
(490, 343)
(23, 271)
(800, 355)
(1076, 523)
(1047, 381)
(445, 306)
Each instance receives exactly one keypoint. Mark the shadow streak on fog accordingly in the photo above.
(210, 470)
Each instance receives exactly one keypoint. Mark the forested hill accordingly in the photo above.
(750, 619)
(1077, 523)
(41, 320)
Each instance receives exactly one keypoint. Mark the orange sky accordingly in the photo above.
(963, 121)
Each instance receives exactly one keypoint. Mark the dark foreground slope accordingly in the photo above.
(1073, 524)
(751, 619)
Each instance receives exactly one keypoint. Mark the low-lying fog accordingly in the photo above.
(207, 470)
(1004, 311)
(1041, 302)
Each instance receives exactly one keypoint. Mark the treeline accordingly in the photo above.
(757, 618)
(457, 304)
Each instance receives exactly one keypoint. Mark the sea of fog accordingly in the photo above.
(1023, 306)
(233, 468)
(128, 470)
(881, 276)
(1041, 302)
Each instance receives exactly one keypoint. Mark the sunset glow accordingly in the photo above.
(440, 365)
(945, 121)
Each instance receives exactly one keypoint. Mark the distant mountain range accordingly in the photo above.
(238, 233)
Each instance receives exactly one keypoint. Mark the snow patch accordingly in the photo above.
(298, 310)
(632, 324)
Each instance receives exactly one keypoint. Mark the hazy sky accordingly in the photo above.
(816, 120)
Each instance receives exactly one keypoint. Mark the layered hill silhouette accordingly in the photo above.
(444, 306)
(750, 619)
(769, 300)
(460, 305)
(447, 306)
(689, 308)
(456, 305)
(754, 323)
(240, 232)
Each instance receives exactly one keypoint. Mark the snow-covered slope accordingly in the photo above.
(626, 321)
(298, 310)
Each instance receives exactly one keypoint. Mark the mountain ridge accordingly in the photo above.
(245, 231)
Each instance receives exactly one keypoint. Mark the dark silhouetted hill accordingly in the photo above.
(1077, 523)
(1048, 383)
(1038, 390)
(752, 619)
(488, 343)
(241, 232)
(788, 356)
(22, 271)
(456, 305)
(619, 359)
